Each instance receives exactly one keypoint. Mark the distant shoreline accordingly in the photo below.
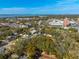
(16, 15)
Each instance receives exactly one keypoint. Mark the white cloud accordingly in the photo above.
(16, 9)
(12, 10)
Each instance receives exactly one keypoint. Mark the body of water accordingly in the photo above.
(15, 15)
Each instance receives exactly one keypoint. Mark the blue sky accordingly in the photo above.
(39, 6)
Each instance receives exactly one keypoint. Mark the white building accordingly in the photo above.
(73, 23)
(56, 22)
(33, 31)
